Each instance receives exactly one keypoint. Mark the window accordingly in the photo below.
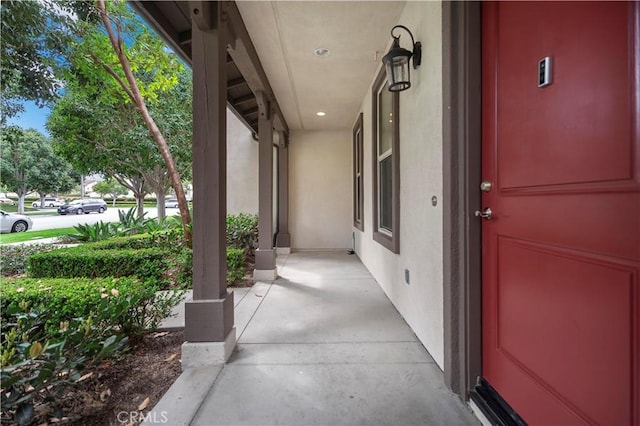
(386, 164)
(358, 197)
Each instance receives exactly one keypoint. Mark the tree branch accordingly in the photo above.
(113, 74)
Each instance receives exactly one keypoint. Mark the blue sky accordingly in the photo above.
(32, 118)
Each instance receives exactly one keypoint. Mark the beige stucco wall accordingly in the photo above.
(320, 189)
(421, 252)
(242, 168)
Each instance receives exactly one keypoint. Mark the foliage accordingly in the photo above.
(99, 117)
(28, 163)
(182, 268)
(82, 261)
(13, 258)
(102, 135)
(169, 240)
(46, 342)
(242, 232)
(88, 232)
(32, 38)
(35, 364)
(130, 224)
(110, 187)
(131, 305)
(235, 265)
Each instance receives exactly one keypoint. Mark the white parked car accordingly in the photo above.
(13, 222)
(48, 202)
(9, 201)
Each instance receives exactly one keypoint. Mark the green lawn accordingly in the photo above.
(19, 237)
(14, 209)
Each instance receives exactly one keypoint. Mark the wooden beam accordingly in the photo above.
(243, 99)
(283, 239)
(209, 316)
(246, 59)
(252, 125)
(158, 21)
(235, 83)
(251, 111)
(265, 255)
(203, 14)
(184, 37)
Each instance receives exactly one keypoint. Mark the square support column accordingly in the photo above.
(209, 317)
(265, 254)
(283, 239)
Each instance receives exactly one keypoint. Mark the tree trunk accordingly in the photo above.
(161, 193)
(139, 204)
(21, 195)
(134, 92)
(42, 196)
(137, 186)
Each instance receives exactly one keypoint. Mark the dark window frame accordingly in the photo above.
(358, 174)
(390, 240)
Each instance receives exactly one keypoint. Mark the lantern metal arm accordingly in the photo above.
(416, 53)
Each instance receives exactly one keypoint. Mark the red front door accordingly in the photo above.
(561, 253)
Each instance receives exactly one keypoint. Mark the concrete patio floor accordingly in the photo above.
(321, 345)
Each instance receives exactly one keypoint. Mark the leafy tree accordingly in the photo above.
(28, 51)
(27, 161)
(128, 70)
(138, 186)
(88, 136)
(56, 175)
(99, 134)
(34, 36)
(110, 187)
(148, 62)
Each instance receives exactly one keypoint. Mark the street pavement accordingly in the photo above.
(55, 220)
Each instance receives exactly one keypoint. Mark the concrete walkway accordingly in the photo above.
(321, 345)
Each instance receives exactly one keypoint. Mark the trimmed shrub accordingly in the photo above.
(182, 265)
(181, 269)
(83, 262)
(242, 232)
(167, 240)
(13, 258)
(235, 265)
(131, 305)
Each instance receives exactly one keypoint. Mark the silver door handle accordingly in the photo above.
(485, 214)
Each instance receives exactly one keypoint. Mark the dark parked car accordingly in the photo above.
(83, 206)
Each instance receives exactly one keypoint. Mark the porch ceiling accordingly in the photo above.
(285, 35)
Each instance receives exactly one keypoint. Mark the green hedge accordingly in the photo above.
(13, 258)
(242, 232)
(132, 303)
(235, 265)
(82, 261)
(167, 240)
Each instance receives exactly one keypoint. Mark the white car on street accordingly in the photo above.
(13, 222)
(48, 202)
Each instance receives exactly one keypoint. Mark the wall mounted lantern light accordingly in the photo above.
(396, 62)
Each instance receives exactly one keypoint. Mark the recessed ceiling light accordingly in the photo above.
(322, 52)
(321, 113)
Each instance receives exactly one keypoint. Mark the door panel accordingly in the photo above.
(561, 127)
(561, 254)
